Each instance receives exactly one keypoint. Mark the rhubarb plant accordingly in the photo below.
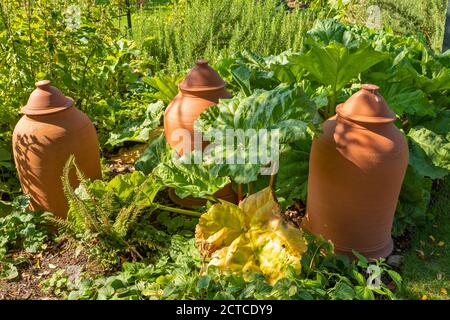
(264, 123)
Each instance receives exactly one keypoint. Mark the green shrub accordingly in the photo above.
(218, 28)
(406, 17)
(91, 63)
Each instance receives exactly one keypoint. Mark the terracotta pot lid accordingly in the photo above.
(367, 105)
(46, 99)
(202, 78)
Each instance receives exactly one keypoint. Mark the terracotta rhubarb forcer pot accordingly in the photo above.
(200, 89)
(44, 138)
(356, 170)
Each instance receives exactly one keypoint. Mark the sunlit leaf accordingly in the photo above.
(189, 177)
(334, 65)
(250, 237)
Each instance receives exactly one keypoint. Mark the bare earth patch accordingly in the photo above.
(39, 267)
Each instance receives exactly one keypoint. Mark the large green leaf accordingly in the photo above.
(331, 30)
(291, 181)
(165, 85)
(242, 77)
(248, 71)
(282, 69)
(189, 176)
(292, 177)
(438, 83)
(413, 202)
(429, 157)
(158, 151)
(281, 113)
(134, 187)
(334, 65)
(422, 163)
(436, 146)
(405, 99)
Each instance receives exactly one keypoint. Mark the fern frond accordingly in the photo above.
(79, 211)
(64, 226)
(109, 205)
(150, 237)
(127, 218)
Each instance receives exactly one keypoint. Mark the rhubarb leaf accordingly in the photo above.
(189, 176)
(250, 237)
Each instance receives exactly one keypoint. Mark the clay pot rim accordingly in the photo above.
(365, 119)
(201, 89)
(30, 111)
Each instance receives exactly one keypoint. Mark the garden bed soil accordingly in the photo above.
(40, 267)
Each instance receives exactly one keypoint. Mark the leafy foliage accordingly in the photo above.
(104, 216)
(190, 30)
(139, 131)
(413, 202)
(292, 177)
(285, 91)
(91, 62)
(21, 229)
(165, 86)
(157, 151)
(334, 65)
(189, 177)
(291, 92)
(175, 275)
(435, 146)
(409, 73)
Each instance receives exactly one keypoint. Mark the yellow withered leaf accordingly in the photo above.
(250, 237)
(219, 227)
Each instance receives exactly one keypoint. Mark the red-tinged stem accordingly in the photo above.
(239, 191)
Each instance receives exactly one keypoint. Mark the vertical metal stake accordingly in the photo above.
(127, 2)
(446, 44)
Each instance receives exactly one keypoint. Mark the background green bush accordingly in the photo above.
(215, 29)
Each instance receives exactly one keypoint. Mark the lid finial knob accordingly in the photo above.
(372, 88)
(201, 62)
(42, 84)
